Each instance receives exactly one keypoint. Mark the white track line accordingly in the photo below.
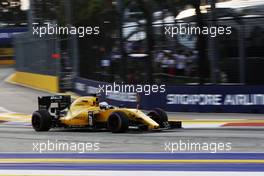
(4, 110)
(186, 125)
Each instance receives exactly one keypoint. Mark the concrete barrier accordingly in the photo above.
(36, 81)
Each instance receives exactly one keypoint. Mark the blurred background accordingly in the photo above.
(132, 46)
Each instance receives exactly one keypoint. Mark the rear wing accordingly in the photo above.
(62, 101)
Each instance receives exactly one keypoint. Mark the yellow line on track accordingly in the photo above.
(10, 117)
(122, 161)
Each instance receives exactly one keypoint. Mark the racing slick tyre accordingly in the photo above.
(41, 120)
(159, 116)
(118, 122)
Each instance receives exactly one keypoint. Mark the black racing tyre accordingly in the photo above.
(41, 120)
(118, 122)
(159, 116)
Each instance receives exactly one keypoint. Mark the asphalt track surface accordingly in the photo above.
(20, 137)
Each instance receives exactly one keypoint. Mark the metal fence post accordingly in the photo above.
(212, 46)
(30, 16)
(120, 6)
(72, 40)
(242, 56)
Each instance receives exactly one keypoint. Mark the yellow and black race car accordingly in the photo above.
(88, 112)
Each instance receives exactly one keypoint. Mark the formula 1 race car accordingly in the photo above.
(88, 112)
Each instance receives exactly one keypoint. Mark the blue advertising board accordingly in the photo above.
(6, 34)
(193, 98)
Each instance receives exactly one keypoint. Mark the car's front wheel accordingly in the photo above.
(159, 116)
(118, 122)
(41, 120)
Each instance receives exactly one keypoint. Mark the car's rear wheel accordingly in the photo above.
(159, 116)
(41, 120)
(118, 122)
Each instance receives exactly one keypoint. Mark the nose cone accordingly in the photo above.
(156, 127)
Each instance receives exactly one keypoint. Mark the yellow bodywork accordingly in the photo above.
(78, 113)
